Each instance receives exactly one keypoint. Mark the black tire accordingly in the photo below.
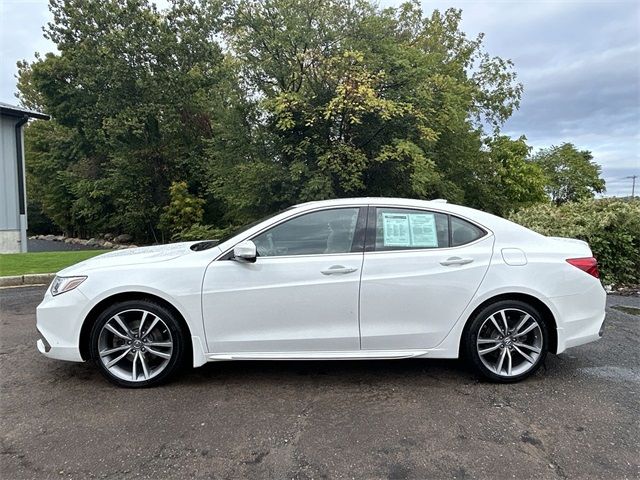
(539, 338)
(169, 326)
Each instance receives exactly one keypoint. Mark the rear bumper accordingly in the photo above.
(580, 317)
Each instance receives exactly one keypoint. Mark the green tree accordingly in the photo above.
(259, 105)
(134, 94)
(184, 210)
(504, 179)
(572, 174)
(356, 100)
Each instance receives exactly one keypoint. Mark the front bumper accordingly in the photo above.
(59, 320)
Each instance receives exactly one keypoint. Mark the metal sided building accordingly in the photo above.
(13, 194)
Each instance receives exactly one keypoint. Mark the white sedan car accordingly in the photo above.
(358, 278)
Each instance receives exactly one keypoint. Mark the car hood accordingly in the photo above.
(130, 256)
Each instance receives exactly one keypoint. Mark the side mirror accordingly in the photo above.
(245, 252)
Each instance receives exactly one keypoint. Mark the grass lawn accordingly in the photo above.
(42, 262)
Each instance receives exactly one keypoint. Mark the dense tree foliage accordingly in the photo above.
(247, 107)
(572, 174)
(134, 95)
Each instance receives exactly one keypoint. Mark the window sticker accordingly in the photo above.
(423, 230)
(395, 228)
(409, 230)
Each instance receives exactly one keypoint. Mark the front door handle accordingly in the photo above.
(456, 261)
(337, 270)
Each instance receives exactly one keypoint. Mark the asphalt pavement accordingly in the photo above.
(578, 417)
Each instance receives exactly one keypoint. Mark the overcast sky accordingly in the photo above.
(579, 63)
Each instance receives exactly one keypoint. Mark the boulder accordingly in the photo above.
(49, 238)
(92, 242)
(124, 238)
(109, 236)
(58, 238)
(107, 244)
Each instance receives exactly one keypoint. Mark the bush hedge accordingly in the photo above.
(611, 227)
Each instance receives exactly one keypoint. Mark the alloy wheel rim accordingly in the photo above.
(135, 345)
(509, 342)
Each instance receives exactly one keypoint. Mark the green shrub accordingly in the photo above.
(183, 212)
(611, 227)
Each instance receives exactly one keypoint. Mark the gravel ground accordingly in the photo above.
(576, 418)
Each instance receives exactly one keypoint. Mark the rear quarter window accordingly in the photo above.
(463, 232)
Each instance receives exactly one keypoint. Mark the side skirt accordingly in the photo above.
(350, 355)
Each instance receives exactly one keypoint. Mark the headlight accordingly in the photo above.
(64, 284)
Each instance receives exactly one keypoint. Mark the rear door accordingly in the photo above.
(421, 269)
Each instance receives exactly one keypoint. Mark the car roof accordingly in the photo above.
(436, 205)
(372, 200)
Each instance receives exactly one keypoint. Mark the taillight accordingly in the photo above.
(586, 264)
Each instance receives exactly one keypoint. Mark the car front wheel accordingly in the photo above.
(137, 343)
(507, 341)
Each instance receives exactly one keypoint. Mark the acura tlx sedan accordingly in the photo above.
(358, 278)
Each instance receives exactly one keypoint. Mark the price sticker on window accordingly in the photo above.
(409, 230)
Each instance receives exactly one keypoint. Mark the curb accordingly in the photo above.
(31, 279)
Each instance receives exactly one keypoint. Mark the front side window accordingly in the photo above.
(405, 229)
(326, 231)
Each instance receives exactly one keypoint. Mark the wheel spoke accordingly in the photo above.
(509, 361)
(122, 325)
(115, 332)
(530, 347)
(117, 359)
(522, 323)
(144, 317)
(158, 354)
(134, 371)
(488, 340)
(488, 350)
(528, 329)
(504, 320)
(153, 324)
(104, 353)
(495, 323)
(527, 357)
(501, 361)
(143, 362)
(159, 344)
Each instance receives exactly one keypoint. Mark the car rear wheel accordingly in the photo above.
(507, 341)
(137, 343)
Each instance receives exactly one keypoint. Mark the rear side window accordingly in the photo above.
(406, 229)
(463, 232)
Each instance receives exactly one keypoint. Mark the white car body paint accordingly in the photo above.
(390, 304)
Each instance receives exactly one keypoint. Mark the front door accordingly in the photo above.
(301, 294)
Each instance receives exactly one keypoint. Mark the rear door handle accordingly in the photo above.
(456, 261)
(337, 270)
